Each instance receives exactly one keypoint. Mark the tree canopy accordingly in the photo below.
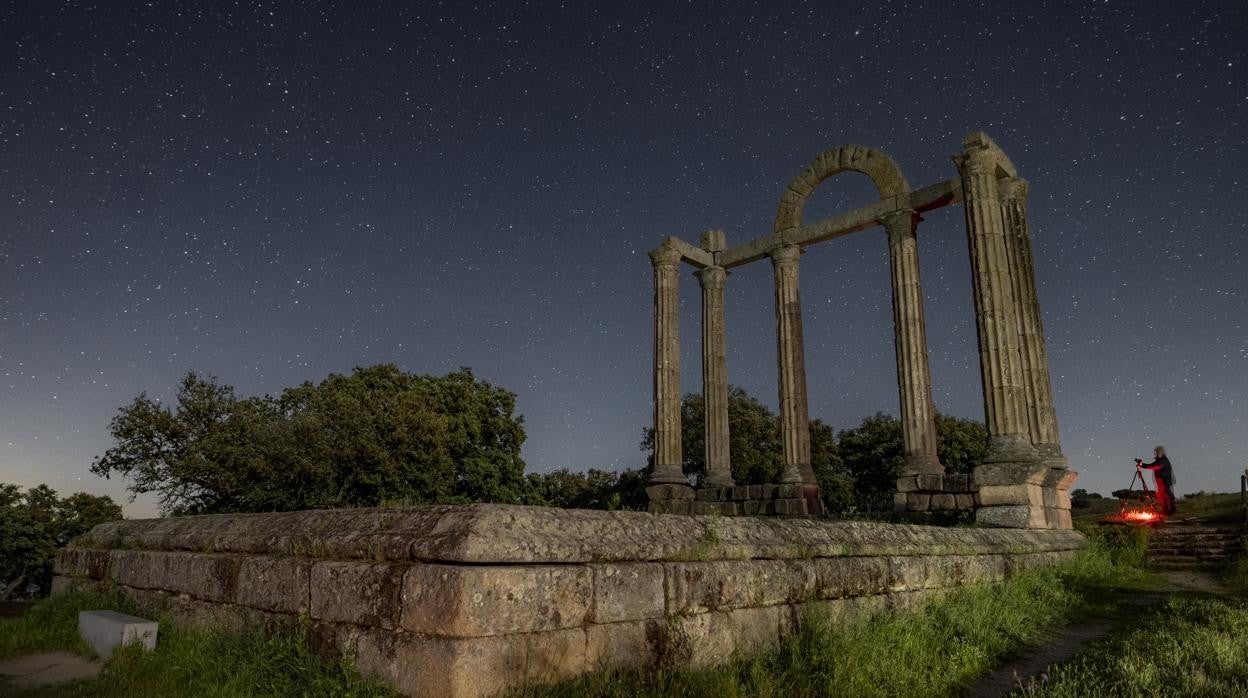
(378, 435)
(34, 523)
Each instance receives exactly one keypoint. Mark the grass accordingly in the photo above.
(1189, 647)
(1214, 508)
(188, 661)
(933, 651)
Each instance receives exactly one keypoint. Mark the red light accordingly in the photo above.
(1139, 515)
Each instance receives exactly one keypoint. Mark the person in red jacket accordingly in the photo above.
(1163, 475)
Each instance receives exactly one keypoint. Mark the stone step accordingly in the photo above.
(1176, 565)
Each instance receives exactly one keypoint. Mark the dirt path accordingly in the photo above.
(47, 669)
(1030, 666)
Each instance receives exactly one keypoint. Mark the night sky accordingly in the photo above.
(269, 193)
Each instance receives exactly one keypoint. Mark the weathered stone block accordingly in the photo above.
(206, 576)
(420, 665)
(1060, 478)
(906, 573)
(477, 601)
(957, 482)
(706, 508)
(627, 591)
(663, 493)
(1056, 499)
(900, 501)
(931, 482)
(632, 645)
(752, 507)
(918, 502)
(81, 562)
(1012, 516)
(709, 494)
(994, 495)
(740, 493)
(842, 577)
(357, 592)
(756, 491)
(965, 501)
(1010, 474)
(907, 484)
(281, 585)
(944, 502)
(769, 491)
(699, 587)
(105, 631)
(1058, 519)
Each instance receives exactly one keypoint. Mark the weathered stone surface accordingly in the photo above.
(1013, 516)
(631, 645)
(965, 501)
(81, 562)
(909, 483)
(668, 492)
(1060, 478)
(627, 591)
(1056, 499)
(1058, 519)
(698, 587)
(918, 502)
(709, 494)
(843, 577)
(944, 502)
(930, 482)
(275, 584)
(206, 576)
(994, 495)
(357, 592)
(471, 601)
(503, 534)
(1010, 474)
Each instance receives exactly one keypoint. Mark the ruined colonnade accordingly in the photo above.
(1023, 481)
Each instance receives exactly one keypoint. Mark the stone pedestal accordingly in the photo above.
(934, 492)
(1023, 495)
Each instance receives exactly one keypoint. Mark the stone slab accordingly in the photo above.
(1010, 474)
(472, 601)
(506, 534)
(1012, 516)
(995, 495)
(47, 669)
(357, 592)
(627, 591)
(105, 631)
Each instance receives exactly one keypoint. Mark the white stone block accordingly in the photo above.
(106, 630)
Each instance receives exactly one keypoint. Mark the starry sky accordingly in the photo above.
(269, 192)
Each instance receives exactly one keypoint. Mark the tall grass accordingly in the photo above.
(933, 651)
(1190, 647)
(187, 661)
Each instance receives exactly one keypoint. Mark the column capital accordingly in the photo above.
(975, 159)
(711, 277)
(785, 255)
(900, 224)
(1013, 188)
(665, 256)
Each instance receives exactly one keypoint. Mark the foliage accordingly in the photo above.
(1189, 647)
(872, 454)
(933, 651)
(188, 661)
(35, 523)
(379, 434)
(590, 489)
(756, 448)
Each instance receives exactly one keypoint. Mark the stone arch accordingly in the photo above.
(883, 172)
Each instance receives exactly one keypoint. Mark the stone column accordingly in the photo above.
(794, 415)
(715, 378)
(1005, 407)
(914, 379)
(1041, 417)
(667, 451)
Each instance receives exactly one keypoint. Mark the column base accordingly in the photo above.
(1024, 495)
(922, 464)
(1010, 448)
(790, 499)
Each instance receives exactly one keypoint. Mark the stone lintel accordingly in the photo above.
(926, 199)
(696, 256)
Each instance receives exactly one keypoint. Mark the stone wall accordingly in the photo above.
(474, 600)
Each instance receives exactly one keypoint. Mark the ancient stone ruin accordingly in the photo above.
(1024, 481)
(482, 599)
